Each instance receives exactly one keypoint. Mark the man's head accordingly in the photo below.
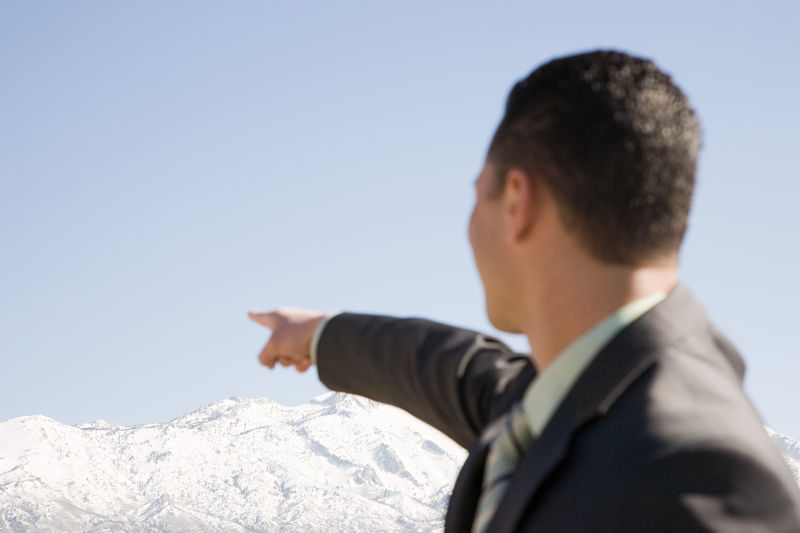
(617, 144)
(602, 145)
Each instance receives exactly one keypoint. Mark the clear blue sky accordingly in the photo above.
(166, 166)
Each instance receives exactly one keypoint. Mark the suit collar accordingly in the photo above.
(624, 358)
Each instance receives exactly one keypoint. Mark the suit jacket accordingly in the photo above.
(655, 436)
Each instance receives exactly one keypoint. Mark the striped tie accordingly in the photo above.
(504, 455)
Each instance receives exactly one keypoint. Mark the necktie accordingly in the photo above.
(504, 455)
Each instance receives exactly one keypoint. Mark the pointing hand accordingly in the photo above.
(292, 331)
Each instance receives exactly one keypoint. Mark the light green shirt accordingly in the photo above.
(548, 389)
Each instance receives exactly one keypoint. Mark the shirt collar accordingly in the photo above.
(545, 393)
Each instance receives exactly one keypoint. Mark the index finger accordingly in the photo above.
(268, 319)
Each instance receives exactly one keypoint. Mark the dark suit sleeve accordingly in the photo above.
(451, 378)
(710, 490)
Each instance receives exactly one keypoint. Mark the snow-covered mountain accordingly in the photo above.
(790, 449)
(337, 463)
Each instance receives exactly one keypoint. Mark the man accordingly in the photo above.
(628, 415)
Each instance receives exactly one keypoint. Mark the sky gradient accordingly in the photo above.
(166, 166)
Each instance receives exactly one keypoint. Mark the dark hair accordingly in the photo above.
(617, 143)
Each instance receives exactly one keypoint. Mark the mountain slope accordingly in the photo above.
(336, 463)
(790, 449)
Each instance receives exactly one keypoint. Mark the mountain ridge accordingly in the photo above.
(239, 464)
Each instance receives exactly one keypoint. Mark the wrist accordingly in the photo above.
(323, 321)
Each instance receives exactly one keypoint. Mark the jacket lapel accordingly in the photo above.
(611, 372)
(579, 408)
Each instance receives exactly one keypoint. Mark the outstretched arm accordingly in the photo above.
(449, 377)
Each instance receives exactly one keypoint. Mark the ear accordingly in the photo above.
(521, 201)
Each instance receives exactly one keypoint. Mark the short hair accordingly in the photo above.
(617, 143)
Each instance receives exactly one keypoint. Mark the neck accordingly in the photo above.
(578, 296)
